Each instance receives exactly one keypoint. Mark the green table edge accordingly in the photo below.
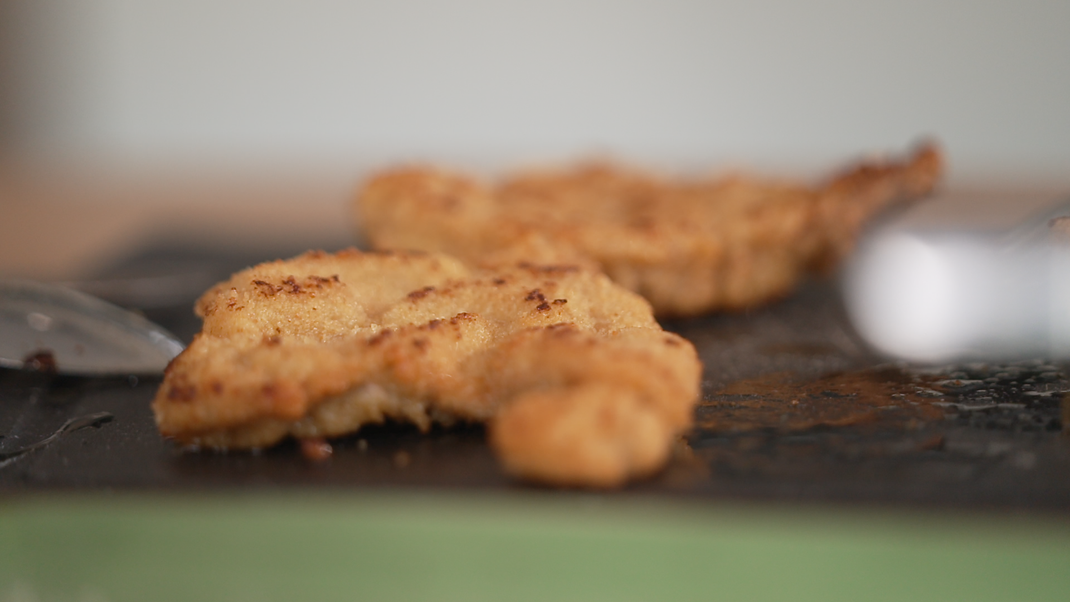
(406, 545)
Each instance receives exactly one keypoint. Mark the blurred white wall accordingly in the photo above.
(781, 80)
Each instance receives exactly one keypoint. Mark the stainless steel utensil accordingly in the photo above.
(53, 328)
(956, 289)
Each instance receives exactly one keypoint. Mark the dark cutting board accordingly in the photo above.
(794, 407)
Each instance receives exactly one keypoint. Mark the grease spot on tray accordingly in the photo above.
(784, 401)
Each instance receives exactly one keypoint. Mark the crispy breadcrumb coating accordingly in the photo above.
(578, 383)
(688, 246)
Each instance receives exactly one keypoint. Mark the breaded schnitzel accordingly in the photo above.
(578, 383)
(688, 246)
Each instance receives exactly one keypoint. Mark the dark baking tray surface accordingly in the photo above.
(794, 407)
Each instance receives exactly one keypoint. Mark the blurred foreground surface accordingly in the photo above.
(511, 546)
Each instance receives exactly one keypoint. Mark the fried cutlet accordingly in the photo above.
(688, 246)
(577, 382)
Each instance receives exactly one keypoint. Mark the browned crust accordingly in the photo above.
(578, 382)
(688, 246)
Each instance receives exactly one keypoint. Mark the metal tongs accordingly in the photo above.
(941, 292)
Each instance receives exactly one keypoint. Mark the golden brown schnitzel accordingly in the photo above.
(688, 246)
(577, 382)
